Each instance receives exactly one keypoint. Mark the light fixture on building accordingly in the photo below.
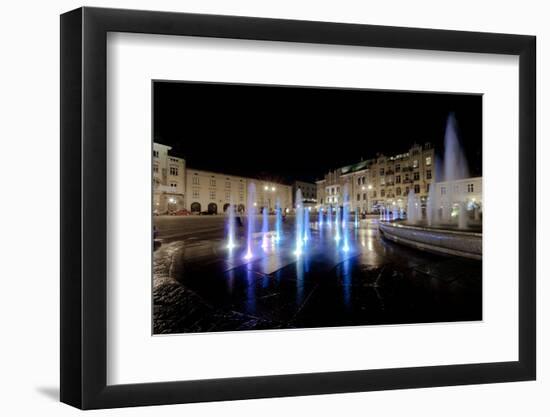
(266, 187)
(272, 188)
(370, 187)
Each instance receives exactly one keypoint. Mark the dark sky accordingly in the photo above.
(287, 133)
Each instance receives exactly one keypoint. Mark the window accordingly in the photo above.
(358, 181)
(429, 174)
(374, 194)
(195, 180)
(406, 177)
(363, 180)
(382, 181)
(196, 193)
(155, 168)
(212, 195)
(382, 193)
(407, 190)
(416, 188)
(174, 171)
(416, 176)
(428, 187)
(358, 197)
(470, 188)
(241, 186)
(456, 188)
(227, 184)
(338, 189)
(228, 195)
(428, 160)
(381, 171)
(443, 190)
(398, 179)
(241, 196)
(415, 163)
(156, 154)
(365, 196)
(212, 182)
(173, 185)
(398, 191)
(397, 167)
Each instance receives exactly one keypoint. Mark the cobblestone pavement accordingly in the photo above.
(199, 287)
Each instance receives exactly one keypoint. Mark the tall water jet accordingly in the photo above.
(320, 217)
(306, 233)
(345, 219)
(329, 216)
(251, 214)
(412, 211)
(337, 235)
(356, 222)
(462, 215)
(430, 206)
(455, 166)
(278, 222)
(265, 228)
(230, 227)
(395, 214)
(299, 223)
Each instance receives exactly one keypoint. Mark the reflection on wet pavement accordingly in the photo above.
(376, 282)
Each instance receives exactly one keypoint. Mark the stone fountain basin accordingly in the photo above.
(465, 244)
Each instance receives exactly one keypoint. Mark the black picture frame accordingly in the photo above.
(84, 207)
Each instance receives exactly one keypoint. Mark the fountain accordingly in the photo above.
(306, 225)
(337, 225)
(265, 228)
(320, 217)
(444, 228)
(278, 222)
(345, 219)
(299, 223)
(329, 216)
(356, 222)
(230, 227)
(412, 208)
(251, 214)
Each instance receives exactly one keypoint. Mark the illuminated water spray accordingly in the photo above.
(329, 216)
(265, 228)
(299, 223)
(337, 234)
(356, 222)
(251, 214)
(230, 227)
(345, 220)
(307, 234)
(320, 215)
(278, 222)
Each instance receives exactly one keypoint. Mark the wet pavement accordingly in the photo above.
(200, 286)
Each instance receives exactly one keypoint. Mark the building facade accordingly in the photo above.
(309, 193)
(177, 186)
(168, 181)
(450, 195)
(380, 182)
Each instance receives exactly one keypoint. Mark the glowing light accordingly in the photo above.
(345, 248)
(231, 245)
(370, 187)
(248, 255)
(255, 204)
(272, 188)
(266, 188)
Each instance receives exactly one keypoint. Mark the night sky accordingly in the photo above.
(295, 133)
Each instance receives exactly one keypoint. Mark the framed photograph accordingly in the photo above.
(257, 208)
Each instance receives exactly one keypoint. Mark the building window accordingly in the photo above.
(429, 174)
(382, 193)
(381, 171)
(338, 189)
(428, 187)
(156, 154)
(415, 163)
(241, 186)
(228, 195)
(174, 171)
(173, 185)
(416, 188)
(241, 196)
(406, 177)
(397, 167)
(195, 180)
(398, 191)
(470, 188)
(365, 196)
(155, 168)
(416, 176)
(363, 180)
(358, 181)
(196, 194)
(227, 184)
(374, 194)
(212, 182)
(406, 190)
(428, 160)
(398, 179)
(358, 197)
(212, 195)
(382, 181)
(443, 190)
